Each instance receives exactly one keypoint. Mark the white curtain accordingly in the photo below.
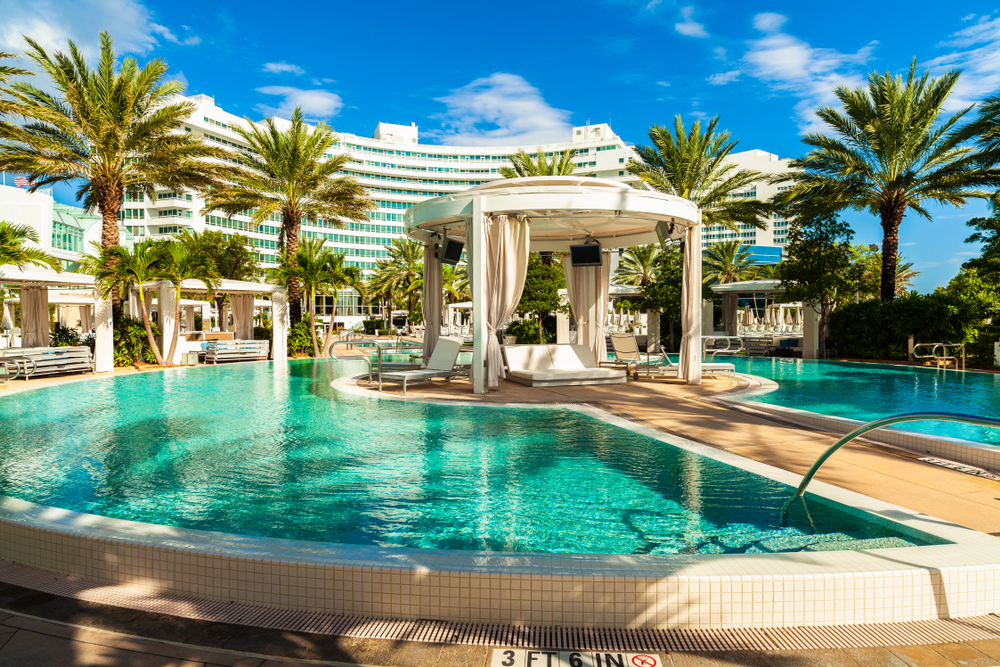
(7, 322)
(432, 301)
(730, 306)
(690, 359)
(34, 317)
(86, 321)
(587, 292)
(242, 307)
(506, 265)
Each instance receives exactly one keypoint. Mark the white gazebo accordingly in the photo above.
(35, 283)
(501, 221)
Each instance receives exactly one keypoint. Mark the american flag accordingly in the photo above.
(23, 182)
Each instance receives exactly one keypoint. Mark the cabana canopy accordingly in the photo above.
(501, 221)
(35, 283)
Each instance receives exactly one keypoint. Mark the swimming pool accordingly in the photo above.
(278, 453)
(866, 392)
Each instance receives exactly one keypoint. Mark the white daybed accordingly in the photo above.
(557, 366)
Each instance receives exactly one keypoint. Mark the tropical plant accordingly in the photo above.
(286, 174)
(693, 164)
(131, 342)
(891, 150)
(61, 336)
(395, 275)
(112, 129)
(319, 270)
(232, 256)
(540, 295)
(638, 265)
(300, 338)
(726, 262)
(118, 269)
(179, 262)
(14, 251)
(524, 165)
(7, 71)
(664, 293)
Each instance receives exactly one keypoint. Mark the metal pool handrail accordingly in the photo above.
(728, 349)
(879, 423)
(944, 347)
(378, 350)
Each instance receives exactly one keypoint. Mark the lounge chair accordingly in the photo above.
(440, 365)
(627, 350)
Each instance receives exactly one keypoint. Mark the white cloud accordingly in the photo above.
(809, 73)
(653, 4)
(501, 109)
(177, 76)
(723, 78)
(321, 82)
(768, 22)
(980, 64)
(52, 22)
(665, 84)
(968, 17)
(316, 104)
(690, 27)
(283, 68)
(720, 53)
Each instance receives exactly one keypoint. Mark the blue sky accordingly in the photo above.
(524, 72)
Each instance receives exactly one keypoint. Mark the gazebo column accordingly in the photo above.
(104, 335)
(476, 236)
(279, 326)
(690, 359)
(166, 301)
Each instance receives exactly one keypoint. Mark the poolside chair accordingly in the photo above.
(655, 364)
(440, 365)
(626, 351)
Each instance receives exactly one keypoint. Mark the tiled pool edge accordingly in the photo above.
(954, 449)
(772, 590)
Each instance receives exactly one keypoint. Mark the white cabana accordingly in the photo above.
(240, 292)
(35, 283)
(499, 222)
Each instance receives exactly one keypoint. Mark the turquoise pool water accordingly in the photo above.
(245, 448)
(872, 391)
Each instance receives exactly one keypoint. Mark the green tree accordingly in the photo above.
(178, 262)
(819, 268)
(394, 275)
(638, 265)
(232, 256)
(287, 174)
(540, 295)
(664, 293)
(118, 269)
(987, 264)
(524, 165)
(891, 150)
(14, 251)
(693, 164)
(726, 262)
(112, 130)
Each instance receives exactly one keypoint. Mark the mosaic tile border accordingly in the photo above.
(958, 579)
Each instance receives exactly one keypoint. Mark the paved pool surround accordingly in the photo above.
(958, 579)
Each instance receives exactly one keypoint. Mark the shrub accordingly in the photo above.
(61, 336)
(262, 333)
(383, 332)
(131, 343)
(527, 332)
(371, 326)
(299, 339)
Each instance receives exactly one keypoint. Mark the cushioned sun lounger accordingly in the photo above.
(440, 365)
(557, 366)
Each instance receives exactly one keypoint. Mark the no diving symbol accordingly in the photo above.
(643, 661)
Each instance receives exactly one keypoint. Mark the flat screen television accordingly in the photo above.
(586, 255)
(665, 233)
(451, 251)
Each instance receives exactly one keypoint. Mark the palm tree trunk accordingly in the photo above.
(891, 215)
(312, 322)
(824, 314)
(149, 329)
(292, 225)
(109, 203)
(177, 326)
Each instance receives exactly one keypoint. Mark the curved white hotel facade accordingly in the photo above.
(398, 172)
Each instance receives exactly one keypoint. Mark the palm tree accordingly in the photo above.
(7, 71)
(638, 265)
(14, 251)
(692, 164)
(112, 129)
(287, 173)
(177, 263)
(397, 273)
(119, 269)
(905, 274)
(525, 165)
(318, 270)
(726, 262)
(891, 150)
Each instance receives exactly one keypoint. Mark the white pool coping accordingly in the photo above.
(961, 578)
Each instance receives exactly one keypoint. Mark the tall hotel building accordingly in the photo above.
(398, 172)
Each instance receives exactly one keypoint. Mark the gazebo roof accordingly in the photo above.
(226, 287)
(564, 211)
(36, 276)
(750, 286)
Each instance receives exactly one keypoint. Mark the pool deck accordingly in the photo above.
(872, 469)
(42, 629)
